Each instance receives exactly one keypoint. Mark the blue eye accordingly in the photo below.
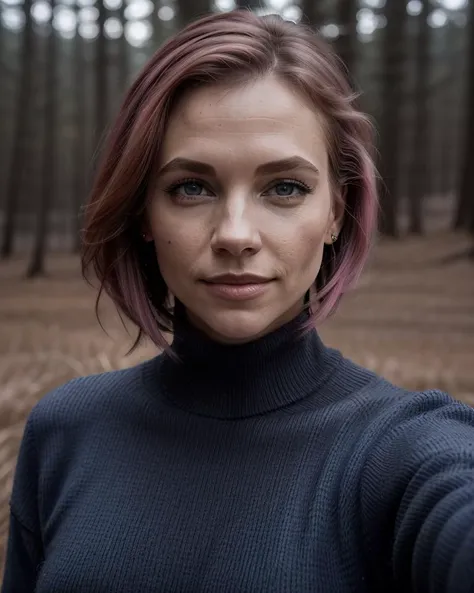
(190, 188)
(288, 189)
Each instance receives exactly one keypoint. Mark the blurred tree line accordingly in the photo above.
(65, 64)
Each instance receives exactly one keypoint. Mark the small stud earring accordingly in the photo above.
(333, 237)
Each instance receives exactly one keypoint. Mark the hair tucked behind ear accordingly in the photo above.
(229, 47)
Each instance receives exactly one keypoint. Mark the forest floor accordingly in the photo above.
(411, 319)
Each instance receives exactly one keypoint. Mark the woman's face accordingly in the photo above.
(241, 207)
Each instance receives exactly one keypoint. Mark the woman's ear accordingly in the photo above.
(145, 231)
(336, 218)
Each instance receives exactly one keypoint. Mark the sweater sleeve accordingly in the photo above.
(23, 559)
(24, 549)
(418, 496)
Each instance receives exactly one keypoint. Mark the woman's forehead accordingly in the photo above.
(266, 98)
(264, 117)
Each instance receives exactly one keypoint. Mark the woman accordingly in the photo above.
(237, 184)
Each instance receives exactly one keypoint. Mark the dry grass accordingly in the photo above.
(411, 319)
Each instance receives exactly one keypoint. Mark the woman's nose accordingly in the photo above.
(236, 233)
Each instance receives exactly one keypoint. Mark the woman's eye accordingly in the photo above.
(288, 189)
(189, 191)
(190, 188)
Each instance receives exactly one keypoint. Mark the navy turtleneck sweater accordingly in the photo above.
(276, 466)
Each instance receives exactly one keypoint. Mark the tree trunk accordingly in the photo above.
(391, 99)
(312, 13)
(455, 103)
(101, 78)
(466, 199)
(22, 120)
(471, 226)
(346, 43)
(80, 146)
(418, 169)
(36, 266)
(463, 207)
(191, 10)
(249, 4)
(124, 66)
(441, 108)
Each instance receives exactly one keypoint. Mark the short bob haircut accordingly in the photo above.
(228, 48)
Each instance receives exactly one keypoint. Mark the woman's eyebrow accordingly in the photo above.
(287, 164)
(182, 164)
(193, 166)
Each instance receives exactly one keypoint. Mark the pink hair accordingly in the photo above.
(229, 47)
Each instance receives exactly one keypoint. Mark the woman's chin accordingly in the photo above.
(234, 327)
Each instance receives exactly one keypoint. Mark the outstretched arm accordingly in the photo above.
(418, 496)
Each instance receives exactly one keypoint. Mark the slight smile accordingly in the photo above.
(235, 287)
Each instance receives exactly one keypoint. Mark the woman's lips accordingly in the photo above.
(237, 292)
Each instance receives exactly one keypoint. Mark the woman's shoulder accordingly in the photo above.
(380, 398)
(394, 412)
(89, 397)
(64, 425)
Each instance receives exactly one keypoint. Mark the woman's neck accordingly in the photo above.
(285, 318)
(219, 380)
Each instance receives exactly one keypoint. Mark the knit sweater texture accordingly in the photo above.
(277, 466)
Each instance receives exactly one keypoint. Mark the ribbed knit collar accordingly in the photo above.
(237, 381)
